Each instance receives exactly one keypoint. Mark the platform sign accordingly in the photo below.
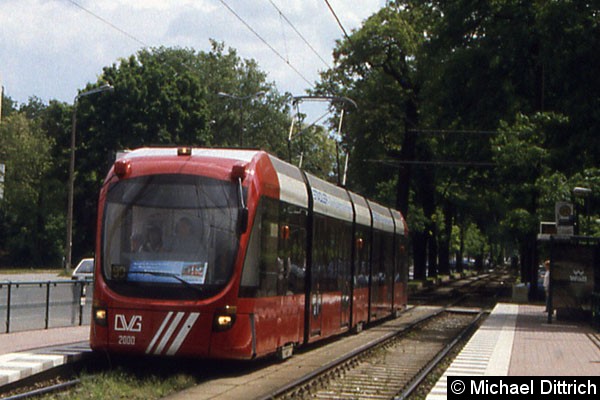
(565, 218)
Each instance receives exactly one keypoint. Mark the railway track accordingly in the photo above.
(391, 369)
(410, 347)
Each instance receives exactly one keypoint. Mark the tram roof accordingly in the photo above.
(232, 154)
(363, 215)
(292, 188)
(329, 199)
(400, 222)
(382, 218)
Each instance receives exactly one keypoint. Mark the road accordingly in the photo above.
(32, 277)
(35, 304)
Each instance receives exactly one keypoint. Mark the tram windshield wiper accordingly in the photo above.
(170, 275)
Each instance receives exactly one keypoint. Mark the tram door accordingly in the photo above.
(344, 272)
(319, 276)
(330, 279)
(346, 293)
(316, 309)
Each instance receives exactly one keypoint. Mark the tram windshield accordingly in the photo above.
(170, 236)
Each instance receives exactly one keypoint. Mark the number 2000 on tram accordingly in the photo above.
(219, 253)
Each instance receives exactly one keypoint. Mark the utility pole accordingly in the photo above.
(69, 241)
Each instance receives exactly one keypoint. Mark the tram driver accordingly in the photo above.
(153, 242)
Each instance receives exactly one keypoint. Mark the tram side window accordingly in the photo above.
(291, 249)
(363, 251)
(377, 270)
(268, 266)
(388, 261)
(331, 253)
(320, 259)
(276, 258)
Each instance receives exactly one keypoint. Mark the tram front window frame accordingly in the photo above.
(144, 250)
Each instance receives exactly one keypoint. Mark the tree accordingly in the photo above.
(169, 97)
(523, 158)
(25, 151)
(484, 70)
(379, 66)
(376, 66)
(263, 113)
(7, 107)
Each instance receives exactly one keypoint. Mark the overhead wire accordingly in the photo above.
(105, 21)
(277, 53)
(247, 25)
(299, 34)
(338, 21)
(285, 44)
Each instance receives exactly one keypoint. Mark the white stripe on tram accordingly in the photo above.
(159, 332)
(167, 336)
(183, 332)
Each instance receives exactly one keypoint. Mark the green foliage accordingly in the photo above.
(522, 149)
(8, 105)
(520, 222)
(162, 96)
(475, 243)
(377, 67)
(158, 100)
(255, 121)
(552, 188)
(588, 206)
(25, 151)
(123, 384)
(318, 151)
(521, 72)
(524, 73)
(523, 157)
(416, 219)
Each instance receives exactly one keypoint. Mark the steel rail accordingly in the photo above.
(45, 390)
(420, 377)
(364, 350)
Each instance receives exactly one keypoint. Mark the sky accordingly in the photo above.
(50, 49)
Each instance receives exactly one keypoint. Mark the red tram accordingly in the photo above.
(236, 254)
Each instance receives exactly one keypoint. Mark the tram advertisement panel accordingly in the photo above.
(572, 275)
(160, 271)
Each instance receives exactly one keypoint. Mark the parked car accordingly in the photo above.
(84, 270)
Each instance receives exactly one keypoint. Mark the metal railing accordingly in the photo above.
(44, 304)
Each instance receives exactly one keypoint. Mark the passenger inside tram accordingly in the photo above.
(153, 243)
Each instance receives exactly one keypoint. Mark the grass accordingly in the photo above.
(123, 384)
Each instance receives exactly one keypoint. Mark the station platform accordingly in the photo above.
(23, 354)
(517, 340)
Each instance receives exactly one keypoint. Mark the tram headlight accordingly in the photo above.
(224, 318)
(100, 315)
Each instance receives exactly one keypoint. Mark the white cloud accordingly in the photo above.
(52, 48)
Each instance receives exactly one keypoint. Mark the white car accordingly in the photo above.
(84, 270)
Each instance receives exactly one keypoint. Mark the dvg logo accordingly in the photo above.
(133, 325)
